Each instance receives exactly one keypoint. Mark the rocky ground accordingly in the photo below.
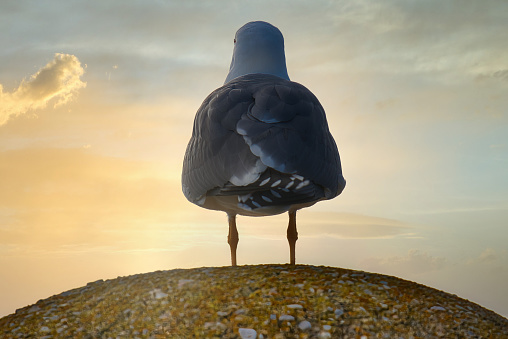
(266, 301)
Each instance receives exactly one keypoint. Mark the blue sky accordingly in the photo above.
(96, 108)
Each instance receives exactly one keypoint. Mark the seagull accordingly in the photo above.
(260, 144)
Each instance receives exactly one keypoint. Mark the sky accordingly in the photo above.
(97, 101)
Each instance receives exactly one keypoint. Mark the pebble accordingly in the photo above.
(247, 333)
(293, 306)
(437, 308)
(286, 317)
(304, 325)
(158, 294)
(34, 308)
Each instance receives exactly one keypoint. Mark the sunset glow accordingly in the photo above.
(97, 102)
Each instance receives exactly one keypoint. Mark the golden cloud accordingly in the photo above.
(60, 79)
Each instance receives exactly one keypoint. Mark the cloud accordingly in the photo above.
(490, 256)
(414, 263)
(59, 80)
(498, 75)
(330, 225)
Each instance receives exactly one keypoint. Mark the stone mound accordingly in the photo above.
(265, 301)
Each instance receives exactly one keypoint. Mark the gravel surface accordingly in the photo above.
(265, 301)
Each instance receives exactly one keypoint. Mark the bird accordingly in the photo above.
(260, 143)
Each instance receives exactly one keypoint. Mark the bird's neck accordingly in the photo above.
(252, 60)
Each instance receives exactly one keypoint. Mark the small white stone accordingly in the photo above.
(338, 312)
(44, 329)
(286, 317)
(324, 335)
(293, 306)
(437, 308)
(222, 313)
(273, 317)
(327, 327)
(158, 294)
(247, 333)
(305, 325)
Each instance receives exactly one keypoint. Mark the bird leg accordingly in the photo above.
(292, 236)
(232, 237)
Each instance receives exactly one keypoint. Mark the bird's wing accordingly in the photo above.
(286, 127)
(254, 122)
(216, 153)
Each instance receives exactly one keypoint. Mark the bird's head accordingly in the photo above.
(258, 48)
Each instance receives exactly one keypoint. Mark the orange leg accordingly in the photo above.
(292, 236)
(232, 237)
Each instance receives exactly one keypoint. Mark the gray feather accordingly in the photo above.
(265, 117)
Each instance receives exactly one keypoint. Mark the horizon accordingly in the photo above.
(97, 103)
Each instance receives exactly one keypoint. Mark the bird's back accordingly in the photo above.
(261, 145)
